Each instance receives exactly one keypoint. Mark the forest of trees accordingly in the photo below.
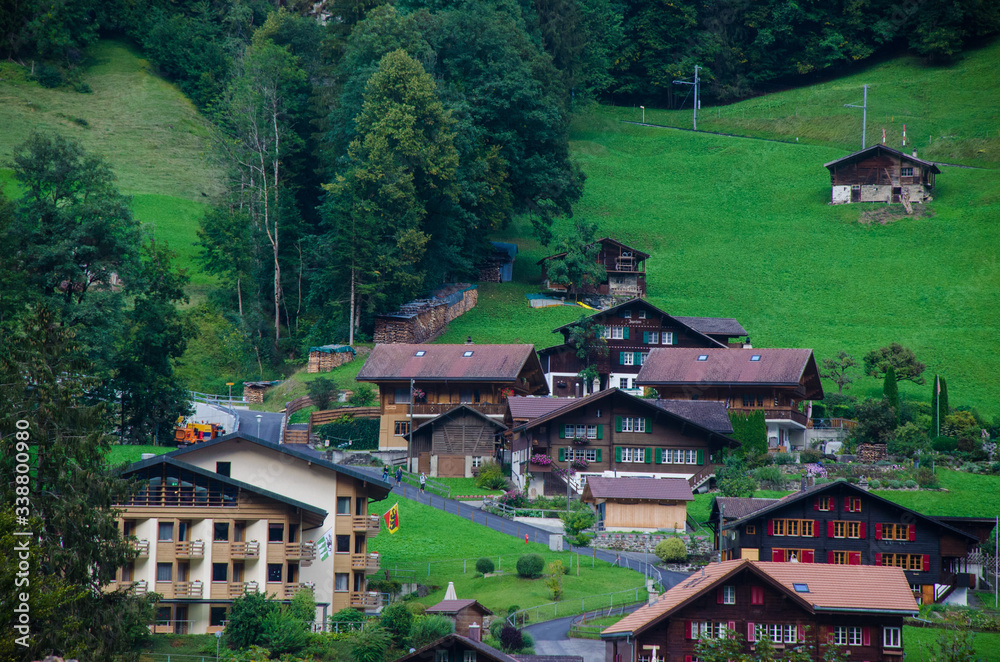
(370, 148)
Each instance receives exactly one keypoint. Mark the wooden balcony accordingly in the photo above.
(367, 524)
(244, 550)
(774, 414)
(438, 408)
(366, 562)
(142, 547)
(239, 589)
(364, 600)
(300, 551)
(188, 590)
(140, 587)
(190, 550)
(292, 589)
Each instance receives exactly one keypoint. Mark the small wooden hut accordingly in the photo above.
(881, 174)
(327, 357)
(639, 504)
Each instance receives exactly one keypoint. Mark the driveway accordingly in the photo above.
(270, 424)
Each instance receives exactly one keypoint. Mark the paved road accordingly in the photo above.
(270, 424)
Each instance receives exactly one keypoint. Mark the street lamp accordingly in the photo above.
(258, 425)
(218, 638)
(230, 385)
(643, 114)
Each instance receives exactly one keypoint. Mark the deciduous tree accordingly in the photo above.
(901, 359)
(576, 265)
(839, 370)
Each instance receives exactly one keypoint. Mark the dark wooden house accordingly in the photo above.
(843, 524)
(881, 174)
(455, 443)
(419, 382)
(625, 266)
(614, 433)
(463, 612)
(457, 648)
(779, 382)
(860, 608)
(630, 331)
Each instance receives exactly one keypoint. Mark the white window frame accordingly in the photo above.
(774, 631)
(590, 455)
(618, 333)
(628, 358)
(623, 382)
(581, 431)
(591, 432)
(469, 656)
(668, 337)
(854, 636)
(605, 332)
(692, 456)
(840, 635)
(441, 656)
(635, 455)
(791, 633)
(642, 357)
(477, 461)
(654, 338)
(892, 637)
(728, 595)
(903, 173)
(642, 314)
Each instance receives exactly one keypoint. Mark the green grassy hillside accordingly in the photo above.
(950, 112)
(153, 136)
(741, 228)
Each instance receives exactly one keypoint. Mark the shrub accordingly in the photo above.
(497, 625)
(283, 632)
(362, 432)
(491, 477)
(823, 481)
(874, 483)
(48, 76)
(530, 566)
(925, 478)
(772, 475)
(910, 484)
(246, 620)
(576, 521)
(397, 620)
(894, 484)
(83, 88)
(369, 645)
(363, 395)
(581, 540)
(430, 628)
(510, 638)
(944, 444)
(810, 456)
(321, 391)
(908, 439)
(348, 616)
(485, 566)
(671, 550)
(784, 458)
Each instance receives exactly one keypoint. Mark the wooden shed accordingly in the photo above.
(639, 504)
(327, 357)
(463, 612)
(881, 174)
(453, 444)
(253, 392)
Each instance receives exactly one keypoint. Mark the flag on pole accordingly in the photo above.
(325, 545)
(392, 518)
(883, 136)
(904, 135)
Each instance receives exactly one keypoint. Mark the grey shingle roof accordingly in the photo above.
(706, 413)
(714, 325)
(668, 489)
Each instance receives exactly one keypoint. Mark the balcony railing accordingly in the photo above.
(437, 408)
(140, 587)
(191, 590)
(773, 414)
(292, 589)
(300, 551)
(244, 550)
(239, 589)
(183, 496)
(365, 600)
(366, 524)
(190, 550)
(366, 562)
(172, 627)
(141, 546)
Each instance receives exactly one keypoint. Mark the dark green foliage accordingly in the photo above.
(356, 434)
(370, 645)
(943, 409)
(772, 476)
(577, 267)
(348, 615)
(751, 431)
(810, 456)
(303, 605)
(363, 395)
(246, 620)
(908, 439)
(511, 638)
(944, 444)
(321, 391)
(429, 628)
(485, 566)
(876, 422)
(397, 621)
(283, 632)
(890, 390)
(671, 550)
(901, 359)
(491, 477)
(733, 479)
(839, 370)
(530, 566)
(48, 76)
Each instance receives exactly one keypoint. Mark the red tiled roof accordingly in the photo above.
(499, 363)
(680, 365)
(452, 606)
(527, 408)
(674, 489)
(830, 588)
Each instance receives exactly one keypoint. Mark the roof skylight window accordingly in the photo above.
(467, 353)
(755, 357)
(420, 352)
(703, 357)
(801, 588)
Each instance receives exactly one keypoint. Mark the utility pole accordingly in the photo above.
(695, 83)
(864, 115)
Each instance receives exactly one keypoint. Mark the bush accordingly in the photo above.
(908, 439)
(530, 566)
(397, 620)
(246, 620)
(491, 477)
(772, 475)
(576, 521)
(511, 639)
(671, 550)
(944, 444)
(925, 478)
(430, 628)
(874, 483)
(910, 484)
(83, 88)
(321, 391)
(283, 632)
(810, 456)
(348, 616)
(485, 566)
(48, 76)
(784, 459)
(363, 395)
(580, 540)
(894, 484)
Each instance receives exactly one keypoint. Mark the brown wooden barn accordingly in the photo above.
(463, 612)
(625, 266)
(455, 443)
(881, 174)
(639, 504)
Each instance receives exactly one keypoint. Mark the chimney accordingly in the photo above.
(474, 632)
(914, 153)
(802, 487)
(468, 340)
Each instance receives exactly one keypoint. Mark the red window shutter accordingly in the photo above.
(756, 595)
(751, 633)
(857, 505)
(912, 533)
(731, 626)
(808, 556)
(802, 634)
(861, 531)
(829, 529)
(770, 527)
(866, 636)
(854, 558)
(687, 630)
(878, 558)
(829, 557)
(878, 531)
(927, 562)
(688, 658)
(719, 595)
(815, 528)
(847, 504)
(777, 555)
(816, 503)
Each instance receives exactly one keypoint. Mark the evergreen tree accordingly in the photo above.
(945, 410)
(576, 266)
(890, 390)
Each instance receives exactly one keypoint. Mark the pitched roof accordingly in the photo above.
(717, 326)
(451, 413)
(642, 303)
(673, 489)
(527, 408)
(168, 459)
(548, 658)
(843, 485)
(739, 507)
(452, 606)
(490, 363)
(884, 148)
(377, 489)
(488, 651)
(706, 413)
(773, 367)
(604, 240)
(853, 588)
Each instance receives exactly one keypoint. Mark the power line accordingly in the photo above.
(864, 115)
(695, 84)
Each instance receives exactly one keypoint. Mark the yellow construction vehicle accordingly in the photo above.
(192, 433)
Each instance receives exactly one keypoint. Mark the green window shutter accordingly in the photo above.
(649, 456)
(645, 337)
(701, 456)
(636, 358)
(600, 454)
(649, 426)
(618, 423)
(618, 454)
(658, 458)
(621, 358)
(562, 431)
(626, 333)
(600, 432)
(562, 454)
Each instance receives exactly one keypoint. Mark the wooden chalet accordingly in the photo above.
(794, 605)
(613, 433)
(843, 524)
(625, 266)
(457, 648)
(639, 504)
(419, 382)
(455, 443)
(881, 174)
(779, 382)
(630, 331)
(462, 612)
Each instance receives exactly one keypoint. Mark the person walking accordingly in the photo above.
(399, 476)
(423, 482)
(385, 473)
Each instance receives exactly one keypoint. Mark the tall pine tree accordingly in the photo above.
(890, 390)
